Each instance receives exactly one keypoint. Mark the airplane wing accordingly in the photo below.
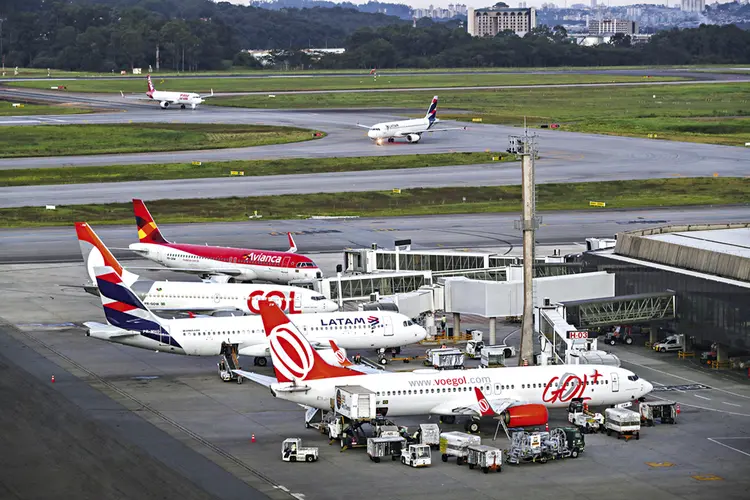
(263, 380)
(137, 97)
(463, 407)
(110, 331)
(345, 363)
(444, 129)
(363, 126)
(207, 96)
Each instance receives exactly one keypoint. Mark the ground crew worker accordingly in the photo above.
(442, 323)
(357, 358)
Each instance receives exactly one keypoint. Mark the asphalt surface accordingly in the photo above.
(704, 456)
(59, 244)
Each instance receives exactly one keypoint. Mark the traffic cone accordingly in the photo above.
(53, 379)
(546, 427)
(678, 408)
(252, 438)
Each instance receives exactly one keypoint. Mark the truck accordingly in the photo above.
(293, 451)
(445, 359)
(381, 447)
(455, 444)
(665, 411)
(354, 402)
(416, 455)
(625, 423)
(587, 421)
(674, 342)
(485, 457)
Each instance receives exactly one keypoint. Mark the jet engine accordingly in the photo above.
(413, 137)
(529, 415)
(164, 104)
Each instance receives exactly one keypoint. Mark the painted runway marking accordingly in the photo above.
(706, 408)
(702, 397)
(714, 440)
(730, 404)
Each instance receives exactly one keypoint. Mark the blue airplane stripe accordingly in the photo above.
(119, 293)
(147, 328)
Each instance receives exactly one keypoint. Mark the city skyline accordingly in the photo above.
(478, 4)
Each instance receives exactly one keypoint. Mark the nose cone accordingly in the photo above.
(647, 387)
(330, 306)
(372, 134)
(420, 333)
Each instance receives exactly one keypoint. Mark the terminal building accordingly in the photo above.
(706, 267)
(494, 20)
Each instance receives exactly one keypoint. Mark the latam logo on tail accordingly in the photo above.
(371, 321)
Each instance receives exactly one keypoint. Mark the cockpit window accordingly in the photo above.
(317, 297)
(633, 377)
(305, 264)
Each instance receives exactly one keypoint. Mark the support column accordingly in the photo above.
(456, 324)
(493, 326)
(429, 323)
(527, 326)
(652, 334)
(722, 353)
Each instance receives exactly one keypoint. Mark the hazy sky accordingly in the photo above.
(513, 3)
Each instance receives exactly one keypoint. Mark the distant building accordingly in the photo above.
(612, 26)
(493, 20)
(693, 5)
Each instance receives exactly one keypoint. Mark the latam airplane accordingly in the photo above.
(520, 395)
(166, 99)
(131, 322)
(199, 297)
(220, 263)
(412, 130)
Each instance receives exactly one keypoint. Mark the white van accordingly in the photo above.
(622, 421)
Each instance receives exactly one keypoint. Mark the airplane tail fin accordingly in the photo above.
(95, 253)
(485, 408)
(432, 110)
(340, 356)
(294, 359)
(292, 244)
(151, 88)
(122, 307)
(147, 230)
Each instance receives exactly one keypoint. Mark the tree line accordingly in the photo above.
(111, 35)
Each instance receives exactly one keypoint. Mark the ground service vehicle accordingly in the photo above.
(580, 416)
(492, 356)
(416, 455)
(380, 447)
(292, 451)
(618, 335)
(623, 422)
(445, 359)
(429, 434)
(665, 411)
(672, 343)
(455, 444)
(527, 447)
(485, 457)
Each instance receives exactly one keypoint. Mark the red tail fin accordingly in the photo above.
(150, 85)
(485, 409)
(340, 356)
(293, 356)
(147, 230)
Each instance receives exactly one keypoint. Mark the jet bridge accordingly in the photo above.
(622, 310)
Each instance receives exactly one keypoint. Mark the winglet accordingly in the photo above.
(340, 356)
(292, 244)
(294, 359)
(485, 408)
(122, 94)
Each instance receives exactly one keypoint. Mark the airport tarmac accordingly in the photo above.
(459, 232)
(704, 456)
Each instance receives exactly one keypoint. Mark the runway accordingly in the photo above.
(59, 244)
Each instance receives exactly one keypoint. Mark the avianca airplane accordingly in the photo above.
(167, 99)
(412, 130)
(521, 394)
(199, 297)
(220, 263)
(131, 322)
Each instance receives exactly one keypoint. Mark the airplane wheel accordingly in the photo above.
(182, 106)
(473, 427)
(262, 361)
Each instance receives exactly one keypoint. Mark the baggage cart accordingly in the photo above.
(429, 434)
(625, 423)
(487, 458)
(665, 411)
(381, 447)
(455, 444)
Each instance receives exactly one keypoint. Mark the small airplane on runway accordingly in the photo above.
(411, 130)
(221, 264)
(166, 99)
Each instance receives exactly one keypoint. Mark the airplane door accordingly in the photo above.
(387, 327)
(615, 383)
(285, 266)
(297, 303)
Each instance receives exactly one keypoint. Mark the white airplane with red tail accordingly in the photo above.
(521, 395)
(167, 99)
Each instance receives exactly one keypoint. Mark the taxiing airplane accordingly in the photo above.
(166, 99)
(199, 297)
(521, 394)
(411, 130)
(220, 263)
(131, 322)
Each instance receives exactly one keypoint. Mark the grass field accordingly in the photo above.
(277, 84)
(619, 194)
(716, 113)
(6, 109)
(61, 140)
(120, 173)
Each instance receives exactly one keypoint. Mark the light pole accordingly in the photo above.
(2, 55)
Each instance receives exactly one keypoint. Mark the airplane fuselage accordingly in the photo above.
(242, 264)
(437, 392)
(186, 98)
(399, 129)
